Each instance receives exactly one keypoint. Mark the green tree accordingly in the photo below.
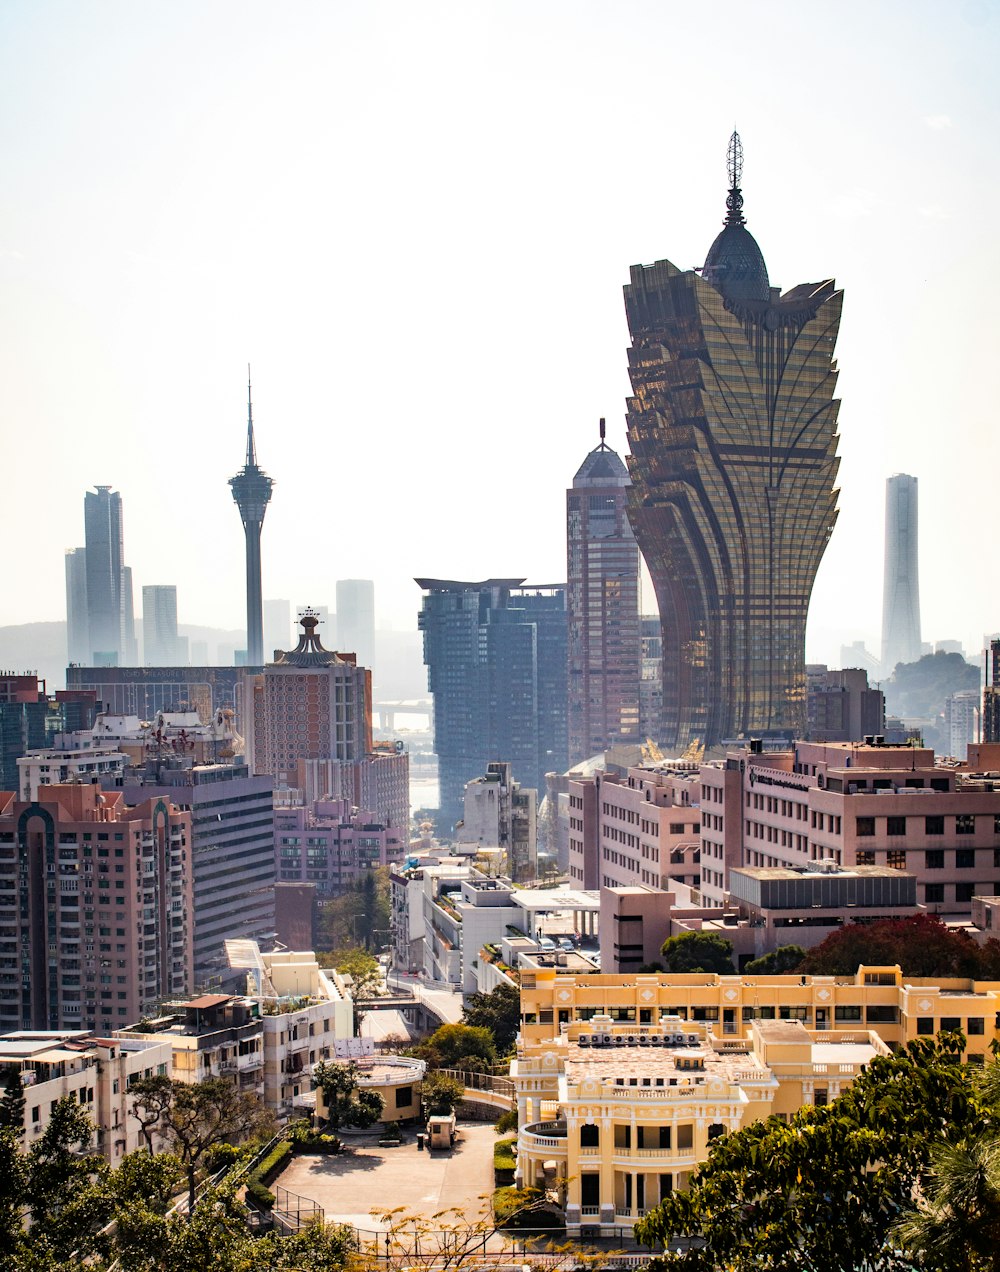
(824, 1191)
(199, 1116)
(920, 688)
(12, 1104)
(441, 1094)
(786, 958)
(698, 952)
(499, 1011)
(365, 972)
(151, 1101)
(956, 1223)
(347, 1104)
(460, 1046)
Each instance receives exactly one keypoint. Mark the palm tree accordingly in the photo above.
(956, 1224)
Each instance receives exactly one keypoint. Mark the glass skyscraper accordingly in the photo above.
(496, 666)
(732, 428)
(602, 563)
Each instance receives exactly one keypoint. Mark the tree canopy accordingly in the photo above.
(920, 688)
(826, 1190)
(786, 958)
(921, 944)
(346, 1103)
(459, 1047)
(698, 952)
(499, 1011)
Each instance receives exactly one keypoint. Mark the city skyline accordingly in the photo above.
(148, 284)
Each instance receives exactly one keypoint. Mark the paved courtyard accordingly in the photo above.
(350, 1185)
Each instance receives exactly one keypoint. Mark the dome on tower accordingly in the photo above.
(735, 265)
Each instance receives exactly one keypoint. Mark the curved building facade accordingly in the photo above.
(732, 428)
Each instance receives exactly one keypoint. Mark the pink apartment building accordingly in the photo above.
(333, 845)
(640, 828)
(95, 908)
(856, 804)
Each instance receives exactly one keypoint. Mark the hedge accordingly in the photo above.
(257, 1191)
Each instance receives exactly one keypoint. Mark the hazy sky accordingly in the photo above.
(415, 221)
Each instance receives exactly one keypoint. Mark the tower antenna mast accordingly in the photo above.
(734, 165)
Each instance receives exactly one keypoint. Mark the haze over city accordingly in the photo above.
(415, 222)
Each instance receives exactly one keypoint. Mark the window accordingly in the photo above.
(895, 826)
(950, 1024)
(974, 1025)
(820, 1097)
(849, 1011)
(965, 858)
(865, 826)
(965, 824)
(964, 891)
(934, 825)
(925, 1025)
(876, 1015)
(590, 1136)
(685, 1135)
(864, 857)
(895, 858)
(933, 893)
(404, 1097)
(934, 859)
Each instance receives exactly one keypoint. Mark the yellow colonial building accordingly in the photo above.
(622, 1082)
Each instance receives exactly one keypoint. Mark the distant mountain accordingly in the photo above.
(399, 672)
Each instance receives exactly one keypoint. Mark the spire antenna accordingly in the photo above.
(603, 443)
(734, 166)
(251, 450)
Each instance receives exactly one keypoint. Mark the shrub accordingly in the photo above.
(258, 1194)
(523, 1208)
(506, 1122)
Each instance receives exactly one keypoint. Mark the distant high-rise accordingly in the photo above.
(309, 704)
(277, 626)
(732, 428)
(251, 489)
(110, 620)
(356, 618)
(496, 666)
(160, 644)
(77, 623)
(602, 608)
(901, 581)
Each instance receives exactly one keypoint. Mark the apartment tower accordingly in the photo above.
(732, 428)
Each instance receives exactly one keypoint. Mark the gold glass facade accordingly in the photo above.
(732, 427)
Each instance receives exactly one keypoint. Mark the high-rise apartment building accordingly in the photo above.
(251, 489)
(991, 695)
(231, 852)
(651, 678)
(309, 704)
(732, 428)
(160, 643)
(602, 608)
(95, 902)
(144, 691)
(495, 653)
(110, 616)
(901, 581)
(356, 619)
(842, 706)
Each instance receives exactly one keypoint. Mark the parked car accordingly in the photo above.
(566, 944)
(546, 943)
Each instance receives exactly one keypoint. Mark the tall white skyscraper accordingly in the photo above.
(77, 625)
(356, 619)
(110, 622)
(901, 584)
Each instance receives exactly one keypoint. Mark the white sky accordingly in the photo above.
(415, 221)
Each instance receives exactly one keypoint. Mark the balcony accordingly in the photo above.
(544, 1137)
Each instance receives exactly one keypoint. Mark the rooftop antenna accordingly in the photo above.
(734, 165)
(251, 452)
(603, 445)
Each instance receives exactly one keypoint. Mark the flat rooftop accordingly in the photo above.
(609, 1064)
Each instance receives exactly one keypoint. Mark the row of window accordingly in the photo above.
(965, 824)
